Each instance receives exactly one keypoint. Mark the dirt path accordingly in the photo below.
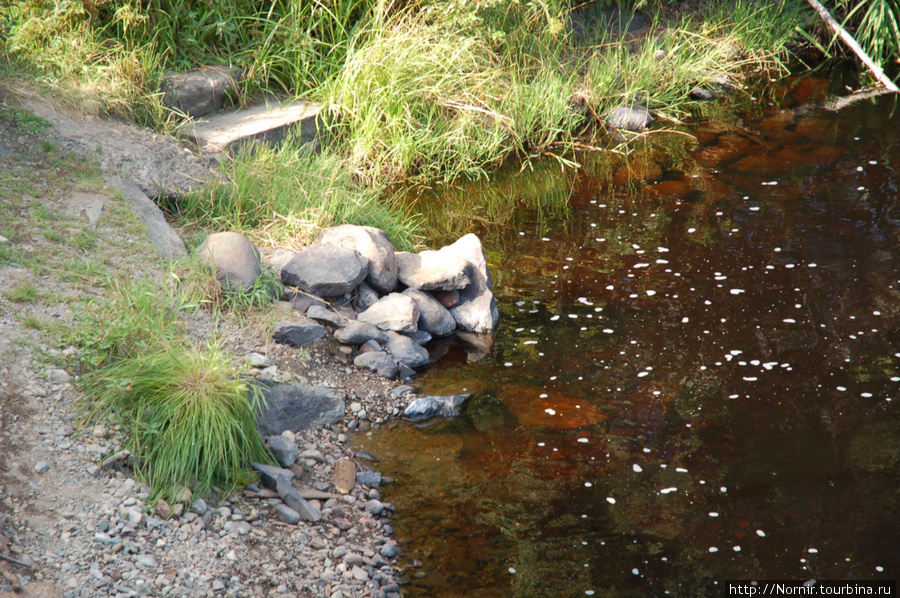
(71, 528)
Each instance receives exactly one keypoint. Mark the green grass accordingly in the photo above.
(24, 292)
(135, 318)
(84, 240)
(53, 236)
(196, 281)
(285, 196)
(192, 421)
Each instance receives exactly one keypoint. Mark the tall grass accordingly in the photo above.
(285, 196)
(877, 28)
(192, 421)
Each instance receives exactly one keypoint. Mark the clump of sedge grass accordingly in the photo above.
(197, 282)
(24, 292)
(192, 421)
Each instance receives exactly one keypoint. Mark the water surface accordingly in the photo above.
(695, 378)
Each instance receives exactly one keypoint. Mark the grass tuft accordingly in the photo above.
(284, 197)
(24, 292)
(192, 422)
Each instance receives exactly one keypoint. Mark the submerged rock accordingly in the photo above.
(430, 406)
(630, 118)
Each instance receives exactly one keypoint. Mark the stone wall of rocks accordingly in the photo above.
(382, 304)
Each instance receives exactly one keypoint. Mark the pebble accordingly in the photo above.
(41, 467)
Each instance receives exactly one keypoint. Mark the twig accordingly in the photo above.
(14, 561)
(857, 49)
(113, 459)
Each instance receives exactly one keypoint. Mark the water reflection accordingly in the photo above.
(695, 376)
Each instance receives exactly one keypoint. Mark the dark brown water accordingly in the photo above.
(695, 379)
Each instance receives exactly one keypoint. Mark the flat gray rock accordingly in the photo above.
(298, 334)
(162, 236)
(432, 270)
(268, 474)
(379, 362)
(292, 499)
(287, 514)
(371, 243)
(395, 312)
(407, 351)
(294, 407)
(434, 318)
(430, 406)
(234, 257)
(262, 123)
(325, 270)
(356, 332)
(477, 310)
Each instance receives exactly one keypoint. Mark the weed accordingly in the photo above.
(84, 240)
(197, 282)
(53, 236)
(23, 120)
(40, 212)
(48, 145)
(192, 420)
(83, 270)
(24, 292)
(135, 318)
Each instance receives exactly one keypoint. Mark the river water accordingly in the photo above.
(697, 373)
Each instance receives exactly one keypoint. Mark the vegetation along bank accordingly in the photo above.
(414, 93)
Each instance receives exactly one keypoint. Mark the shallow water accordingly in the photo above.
(695, 379)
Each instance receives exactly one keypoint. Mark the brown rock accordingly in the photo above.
(448, 299)
(344, 475)
(163, 509)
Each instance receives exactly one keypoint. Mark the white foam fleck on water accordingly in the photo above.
(544, 239)
(733, 396)
(587, 484)
(681, 470)
(589, 592)
(583, 440)
(737, 548)
(754, 208)
(651, 293)
(760, 533)
(662, 249)
(842, 388)
(511, 570)
(637, 468)
(508, 364)
(573, 316)
(542, 444)
(713, 514)
(873, 162)
(549, 411)
(662, 261)
(692, 230)
(554, 318)
(723, 489)
(859, 169)
(668, 490)
(736, 291)
(608, 330)
(860, 188)
(685, 320)
(713, 549)
(610, 287)
(635, 571)
(642, 374)
(646, 450)
(642, 265)
(879, 568)
(812, 551)
(789, 321)
(530, 343)
(610, 500)
(866, 395)
(543, 395)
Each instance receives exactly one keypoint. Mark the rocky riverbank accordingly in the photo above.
(73, 520)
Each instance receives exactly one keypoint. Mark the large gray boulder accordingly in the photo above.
(407, 351)
(373, 245)
(477, 310)
(234, 257)
(432, 270)
(294, 407)
(202, 91)
(325, 270)
(434, 318)
(395, 312)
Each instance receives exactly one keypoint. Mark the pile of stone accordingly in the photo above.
(383, 305)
